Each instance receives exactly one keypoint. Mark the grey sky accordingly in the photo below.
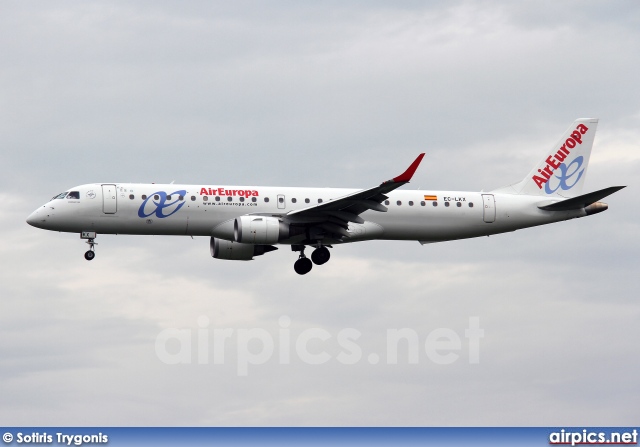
(318, 94)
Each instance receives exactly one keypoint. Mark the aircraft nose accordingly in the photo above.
(36, 219)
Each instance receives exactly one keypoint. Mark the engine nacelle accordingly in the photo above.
(236, 251)
(259, 230)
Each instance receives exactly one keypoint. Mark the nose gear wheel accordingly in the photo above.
(91, 253)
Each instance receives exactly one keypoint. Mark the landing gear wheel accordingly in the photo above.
(320, 255)
(303, 266)
(90, 254)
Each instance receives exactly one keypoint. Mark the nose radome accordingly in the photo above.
(35, 219)
(31, 220)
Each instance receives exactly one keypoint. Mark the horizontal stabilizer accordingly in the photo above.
(576, 203)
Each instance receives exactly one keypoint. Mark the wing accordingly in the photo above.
(333, 217)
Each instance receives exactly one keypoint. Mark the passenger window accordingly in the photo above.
(242, 199)
(156, 197)
(266, 199)
(435, 203)
(254, 200)
(193, 198)
(446, 203)
(470, 204)
(459, 204)
(422, 203)
(217, 198)
(319, 200)
(410, 203)
(168, 197)
(386, 202)
(229, 199)
(131, 196)
(398, 203)
(180, 197)
(205, 198)
(281, 199)
(144, 197)
(74, 195)
(294, 200)
(307, 200)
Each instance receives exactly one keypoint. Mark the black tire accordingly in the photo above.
(320, 255)
(303, 266)
(89, 255)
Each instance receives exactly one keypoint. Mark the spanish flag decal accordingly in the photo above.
(430, 197)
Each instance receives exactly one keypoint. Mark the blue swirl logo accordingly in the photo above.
(566, 173)
(161, 203)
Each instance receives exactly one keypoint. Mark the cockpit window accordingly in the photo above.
(59, 196)
(74, 195)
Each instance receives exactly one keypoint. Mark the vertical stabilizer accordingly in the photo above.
(563, 170)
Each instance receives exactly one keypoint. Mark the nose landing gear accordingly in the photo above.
(90, 237)
(89, 254)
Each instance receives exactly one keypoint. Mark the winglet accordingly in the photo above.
(406, 175)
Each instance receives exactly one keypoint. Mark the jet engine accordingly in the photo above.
(236, 251)
(259, 230)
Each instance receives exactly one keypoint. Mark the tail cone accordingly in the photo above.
(596, 208)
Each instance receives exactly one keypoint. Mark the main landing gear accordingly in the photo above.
(303, 265)
(320, 255)
(90, 236)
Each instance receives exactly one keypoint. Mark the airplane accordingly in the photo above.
(244, 222)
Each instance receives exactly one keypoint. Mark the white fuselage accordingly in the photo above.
(247, 221)
(203, 210)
